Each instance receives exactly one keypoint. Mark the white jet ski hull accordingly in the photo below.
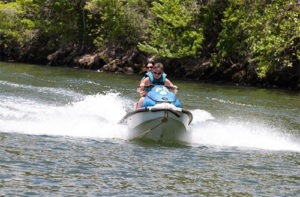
(162, 122)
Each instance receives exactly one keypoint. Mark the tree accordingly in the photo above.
(264, 33)
(121, 22)
(174, 31)
(15, 27)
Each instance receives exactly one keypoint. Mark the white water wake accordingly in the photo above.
(244, 134)
(97, 116)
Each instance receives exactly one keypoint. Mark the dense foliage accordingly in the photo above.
(261, 34)
(37, 26)
(175, 31)
(120, 22)
(261, 31)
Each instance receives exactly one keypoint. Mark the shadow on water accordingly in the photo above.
(170, 144)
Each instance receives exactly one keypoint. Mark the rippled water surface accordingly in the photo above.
(59, 136)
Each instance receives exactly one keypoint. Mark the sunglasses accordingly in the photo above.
(149, 67)
(157, 73)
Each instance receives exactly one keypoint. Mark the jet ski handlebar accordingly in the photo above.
(151, 86)
(172, 87)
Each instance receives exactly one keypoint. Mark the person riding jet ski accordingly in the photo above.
(152, 78)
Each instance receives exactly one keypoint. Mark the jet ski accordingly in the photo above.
(161, 117)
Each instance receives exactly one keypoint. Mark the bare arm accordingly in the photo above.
(170, 84)
(141, 88)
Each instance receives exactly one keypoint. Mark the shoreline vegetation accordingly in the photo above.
(247, 42)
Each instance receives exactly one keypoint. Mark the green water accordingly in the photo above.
(59, 136)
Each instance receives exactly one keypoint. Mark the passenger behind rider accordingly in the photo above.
(149, 67)
(155, 77)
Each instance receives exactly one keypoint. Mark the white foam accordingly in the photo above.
(95, 116)
(200, 116)
(239, 134)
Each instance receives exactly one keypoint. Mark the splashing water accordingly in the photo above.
(98, 116)
(205, 131)
(94, 116)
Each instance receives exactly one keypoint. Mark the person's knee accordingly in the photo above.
(139, 104)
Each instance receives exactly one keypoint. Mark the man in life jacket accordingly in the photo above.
(155, 77)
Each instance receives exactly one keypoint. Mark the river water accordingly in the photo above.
(59, 136)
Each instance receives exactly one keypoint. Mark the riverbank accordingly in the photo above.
(133, 61)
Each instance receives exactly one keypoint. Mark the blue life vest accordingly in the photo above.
(148, 74)
(154, 81)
